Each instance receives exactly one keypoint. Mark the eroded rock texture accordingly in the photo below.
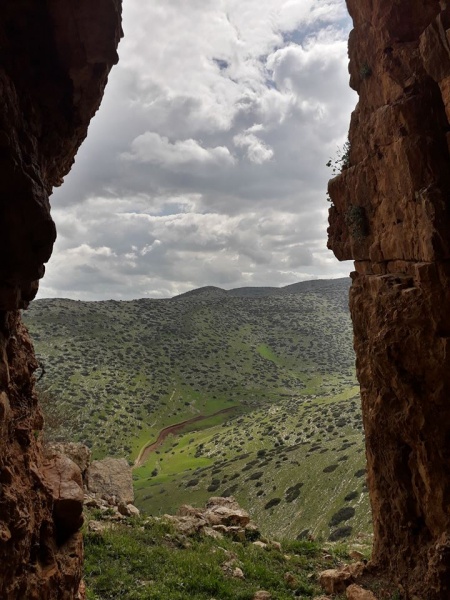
(55, 56)
(391, 215)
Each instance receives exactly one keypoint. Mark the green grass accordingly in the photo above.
(149, 561)
(121, 371)
(321, 433)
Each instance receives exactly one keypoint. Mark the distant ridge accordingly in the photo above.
(208, 291)
(313, 285)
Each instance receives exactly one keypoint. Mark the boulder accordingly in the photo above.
(228, 514)
(63, 477)
(111, 479)
(79, 453)
(223, 516)
(335, 581)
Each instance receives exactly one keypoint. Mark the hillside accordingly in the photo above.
(266, 375)
(149, 561)
(189, 557)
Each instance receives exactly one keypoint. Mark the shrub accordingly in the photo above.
(342, 159)
(340, 532)
(293, 492)
(273, 502)
(356, 220)
(192, 483)
(351, 496)
(330, 468)
(343, 514)
(365, 71)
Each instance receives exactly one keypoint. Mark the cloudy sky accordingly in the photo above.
(206, 162)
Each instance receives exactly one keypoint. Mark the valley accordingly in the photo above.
(254, 387)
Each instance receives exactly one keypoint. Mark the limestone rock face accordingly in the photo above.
(77, 452)
(54, 61)
(111, 478)
(391, 215)
(64, 478)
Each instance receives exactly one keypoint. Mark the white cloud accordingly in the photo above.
(256, 150)
(152, 148)
(206, 162)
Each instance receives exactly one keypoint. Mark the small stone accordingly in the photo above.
(209, 531)
(356, 592)
(276, 546)
(291, 580)
(334, 581)
(123, 509)
(238, 573)
(133, 511)
(260, 544)
(262, 595)
(356, 555)
(97, 526)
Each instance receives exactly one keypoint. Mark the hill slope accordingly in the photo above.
(266, 374)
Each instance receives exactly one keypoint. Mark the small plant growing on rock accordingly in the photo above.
(365, 71)
(356, 220)
(341, 161)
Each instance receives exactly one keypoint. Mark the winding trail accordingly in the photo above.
(150, 447)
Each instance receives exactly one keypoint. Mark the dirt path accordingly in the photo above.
(171, 430)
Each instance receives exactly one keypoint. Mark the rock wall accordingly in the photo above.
(391, 215)
(55, 56)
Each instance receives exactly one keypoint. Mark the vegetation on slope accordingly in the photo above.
(121, 371)
(148, 560)
(272, 370)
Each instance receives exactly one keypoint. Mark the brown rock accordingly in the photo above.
(225, 515)
(79, 453)
(391, 216)
(186, 525)
(334, 581)
(54, 65)
(133, 511)
(111, 478)
(64, 478)
(356, 592)
(128, 510)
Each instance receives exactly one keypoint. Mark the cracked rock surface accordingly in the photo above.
(391, 215)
